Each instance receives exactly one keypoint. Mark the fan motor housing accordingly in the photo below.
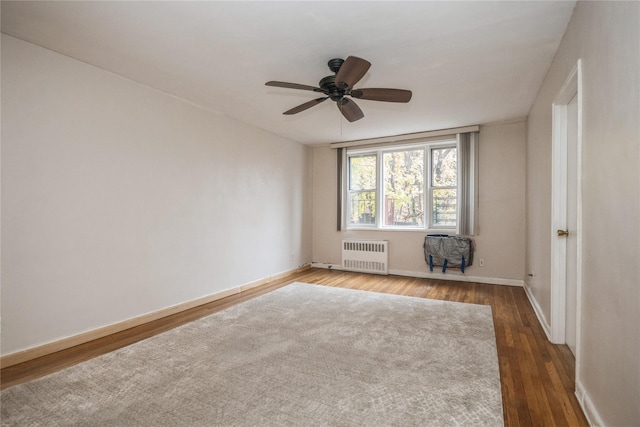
(328, 86)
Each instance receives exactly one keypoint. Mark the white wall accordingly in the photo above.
(500, 239)
(119, 200)
(606, 36)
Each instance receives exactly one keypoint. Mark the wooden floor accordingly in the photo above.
(537, 377)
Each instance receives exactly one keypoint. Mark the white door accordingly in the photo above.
(572, 224)
(566, 244)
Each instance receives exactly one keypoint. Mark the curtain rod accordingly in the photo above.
(406, 137)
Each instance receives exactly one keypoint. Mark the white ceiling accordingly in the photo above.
(466, 62)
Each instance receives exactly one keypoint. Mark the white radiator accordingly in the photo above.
(366, 256)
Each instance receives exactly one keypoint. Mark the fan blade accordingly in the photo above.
(351, 71)
(293, 86)
(350, 109)
(305, 106)
(386, 95)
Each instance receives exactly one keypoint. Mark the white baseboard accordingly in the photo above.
(458, 277)
(74, 340)
(590, 411)
(437, 275)
(546, 327)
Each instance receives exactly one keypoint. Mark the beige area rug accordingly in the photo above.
(303, 355)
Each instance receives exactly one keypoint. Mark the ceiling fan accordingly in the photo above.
(336, 87)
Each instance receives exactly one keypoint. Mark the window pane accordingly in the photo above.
(444, 207)
(362, 172)
(362, 207)
(444, 167)
(404, 188)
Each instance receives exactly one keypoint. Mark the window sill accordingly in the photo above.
(451, 231)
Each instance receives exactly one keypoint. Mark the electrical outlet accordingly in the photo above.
(481, 262)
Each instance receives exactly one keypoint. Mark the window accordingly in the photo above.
(403, 187)
(403, 192)
(443, 188)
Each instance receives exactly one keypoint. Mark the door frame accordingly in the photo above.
(572, 87)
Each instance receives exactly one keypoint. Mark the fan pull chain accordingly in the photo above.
(340, 119)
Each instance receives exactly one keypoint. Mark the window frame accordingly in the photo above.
(431, 187)
(426, 147)
(395, 149)
(348, 190)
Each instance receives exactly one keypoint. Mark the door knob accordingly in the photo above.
(563, 233)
